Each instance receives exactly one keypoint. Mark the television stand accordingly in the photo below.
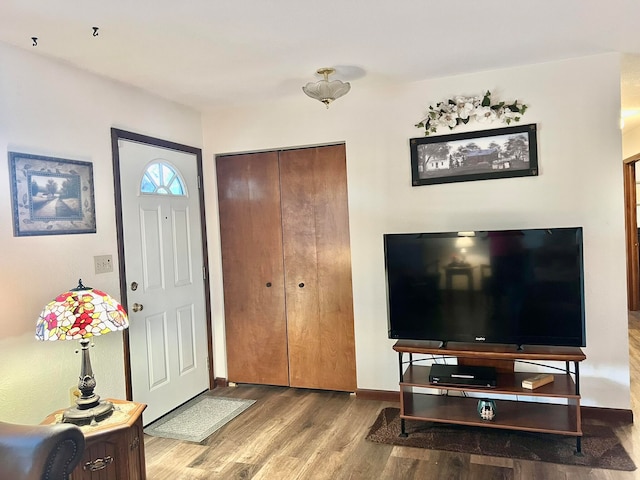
(513, 413)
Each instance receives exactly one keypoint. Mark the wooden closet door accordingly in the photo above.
(317, 261)
(251, 237)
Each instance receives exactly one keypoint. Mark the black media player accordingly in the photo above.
(461, 375)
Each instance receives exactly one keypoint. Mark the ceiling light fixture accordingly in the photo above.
(324, 90)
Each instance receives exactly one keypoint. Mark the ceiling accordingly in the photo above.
(213, 53)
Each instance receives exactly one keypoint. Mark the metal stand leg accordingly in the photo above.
(578, 447)
(403, 431)
(576, 368)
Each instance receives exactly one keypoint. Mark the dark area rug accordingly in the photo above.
(600, 445)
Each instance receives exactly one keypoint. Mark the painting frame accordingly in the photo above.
(509, 152)
(50, 195)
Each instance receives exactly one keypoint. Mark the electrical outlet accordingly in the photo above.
(103, 263)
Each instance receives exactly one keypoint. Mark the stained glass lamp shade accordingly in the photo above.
(79, 314)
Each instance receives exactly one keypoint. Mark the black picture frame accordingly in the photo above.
(482, 155)
(51, 196)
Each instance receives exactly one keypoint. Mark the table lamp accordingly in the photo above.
(80, 314)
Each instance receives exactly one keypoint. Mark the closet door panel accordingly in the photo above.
(304, 323)
(317, 255)
(253, 275)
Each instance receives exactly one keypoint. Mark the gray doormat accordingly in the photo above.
(600, 445)
(198, 418)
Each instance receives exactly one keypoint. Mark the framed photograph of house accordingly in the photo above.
(51, 196)
(499, 153)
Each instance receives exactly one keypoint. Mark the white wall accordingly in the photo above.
(631, 147)
(631, 144)
(576, 106)
(47, 108)
(52, 109)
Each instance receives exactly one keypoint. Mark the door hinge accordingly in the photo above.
(204, 272)
(199, 182)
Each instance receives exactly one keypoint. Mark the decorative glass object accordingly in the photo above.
(324, 90)
(487, 409)
(79, 314)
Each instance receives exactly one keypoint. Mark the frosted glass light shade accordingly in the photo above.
(324, 90)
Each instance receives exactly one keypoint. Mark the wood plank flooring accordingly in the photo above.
(307, 434)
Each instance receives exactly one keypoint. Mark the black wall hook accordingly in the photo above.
(95, 31)
(35, 41)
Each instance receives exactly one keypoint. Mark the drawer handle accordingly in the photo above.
(98, 464)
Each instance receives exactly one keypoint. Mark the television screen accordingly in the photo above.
(522, 287)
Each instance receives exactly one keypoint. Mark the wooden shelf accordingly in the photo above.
(511, 415)
(491, 351)
(512, 412)
(563, 385)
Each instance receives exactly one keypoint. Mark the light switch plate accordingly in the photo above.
(103, 263)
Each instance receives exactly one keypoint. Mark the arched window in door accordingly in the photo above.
(161, 178)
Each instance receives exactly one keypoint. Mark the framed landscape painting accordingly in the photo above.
(51, 196)
(499, 153)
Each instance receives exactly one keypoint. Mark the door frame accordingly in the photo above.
(117, 134)
(631, 232)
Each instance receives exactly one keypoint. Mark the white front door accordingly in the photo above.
(164, 273)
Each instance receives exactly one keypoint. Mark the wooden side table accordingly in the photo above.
(114, 446)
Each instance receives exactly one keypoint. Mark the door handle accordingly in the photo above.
(137, 307)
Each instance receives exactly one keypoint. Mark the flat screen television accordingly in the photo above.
(523, 287)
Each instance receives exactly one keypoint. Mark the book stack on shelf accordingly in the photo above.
(537, 381)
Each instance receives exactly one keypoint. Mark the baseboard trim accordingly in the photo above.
(220, 382)
(380, 395)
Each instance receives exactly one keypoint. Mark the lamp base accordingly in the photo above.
(85, 416)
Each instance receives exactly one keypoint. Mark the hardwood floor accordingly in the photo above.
(307, 434)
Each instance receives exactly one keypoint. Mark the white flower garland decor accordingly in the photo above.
(457, 110)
